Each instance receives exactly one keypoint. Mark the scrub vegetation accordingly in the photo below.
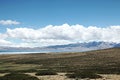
(76, 64)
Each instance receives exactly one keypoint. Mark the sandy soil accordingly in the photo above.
(2, 74)
(61, 76)
(111, 77)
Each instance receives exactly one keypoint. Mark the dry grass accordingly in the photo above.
(99, 61)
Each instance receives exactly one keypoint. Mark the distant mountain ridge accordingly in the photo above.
(76, 47)
(86, 46)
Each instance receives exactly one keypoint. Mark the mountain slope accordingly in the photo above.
(107, 59)
(76, 47)
(79, 47)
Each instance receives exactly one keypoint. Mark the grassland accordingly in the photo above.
(99, 62)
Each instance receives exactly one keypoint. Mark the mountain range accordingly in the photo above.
(76, 47)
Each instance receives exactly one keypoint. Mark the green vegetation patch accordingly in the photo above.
(46, 72)
(83, 74)
(13, 66)
(18, 76)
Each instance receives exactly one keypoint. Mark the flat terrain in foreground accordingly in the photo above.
(102, 62)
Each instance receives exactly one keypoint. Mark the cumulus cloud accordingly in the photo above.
(3, 36)
(8, 22)
(5, 42)
(63, 34)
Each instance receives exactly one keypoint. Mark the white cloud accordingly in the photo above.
(63, 34)
(3, 36)
(5, 42)
(39, 43)
(8, 22)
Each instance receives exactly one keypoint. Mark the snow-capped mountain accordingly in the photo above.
(86, 46)
(76, 47)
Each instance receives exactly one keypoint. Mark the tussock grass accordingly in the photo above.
(83, 74)
(45, 72)
(18, 76)
(99, 62)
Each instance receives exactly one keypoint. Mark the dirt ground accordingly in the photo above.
(61, 76)
(2, 74)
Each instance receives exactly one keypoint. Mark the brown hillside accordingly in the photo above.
(99, 59)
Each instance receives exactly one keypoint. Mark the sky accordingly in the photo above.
(37, 23)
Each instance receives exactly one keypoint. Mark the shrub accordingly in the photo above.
(16, 71)
(45, 72)
(27, 71)
(90, 75)
(5, 71)
(18, 76)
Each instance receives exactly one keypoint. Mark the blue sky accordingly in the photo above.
(37, 14)
(56, 12)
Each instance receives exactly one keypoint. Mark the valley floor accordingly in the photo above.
(61, 76)
(105, 62)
